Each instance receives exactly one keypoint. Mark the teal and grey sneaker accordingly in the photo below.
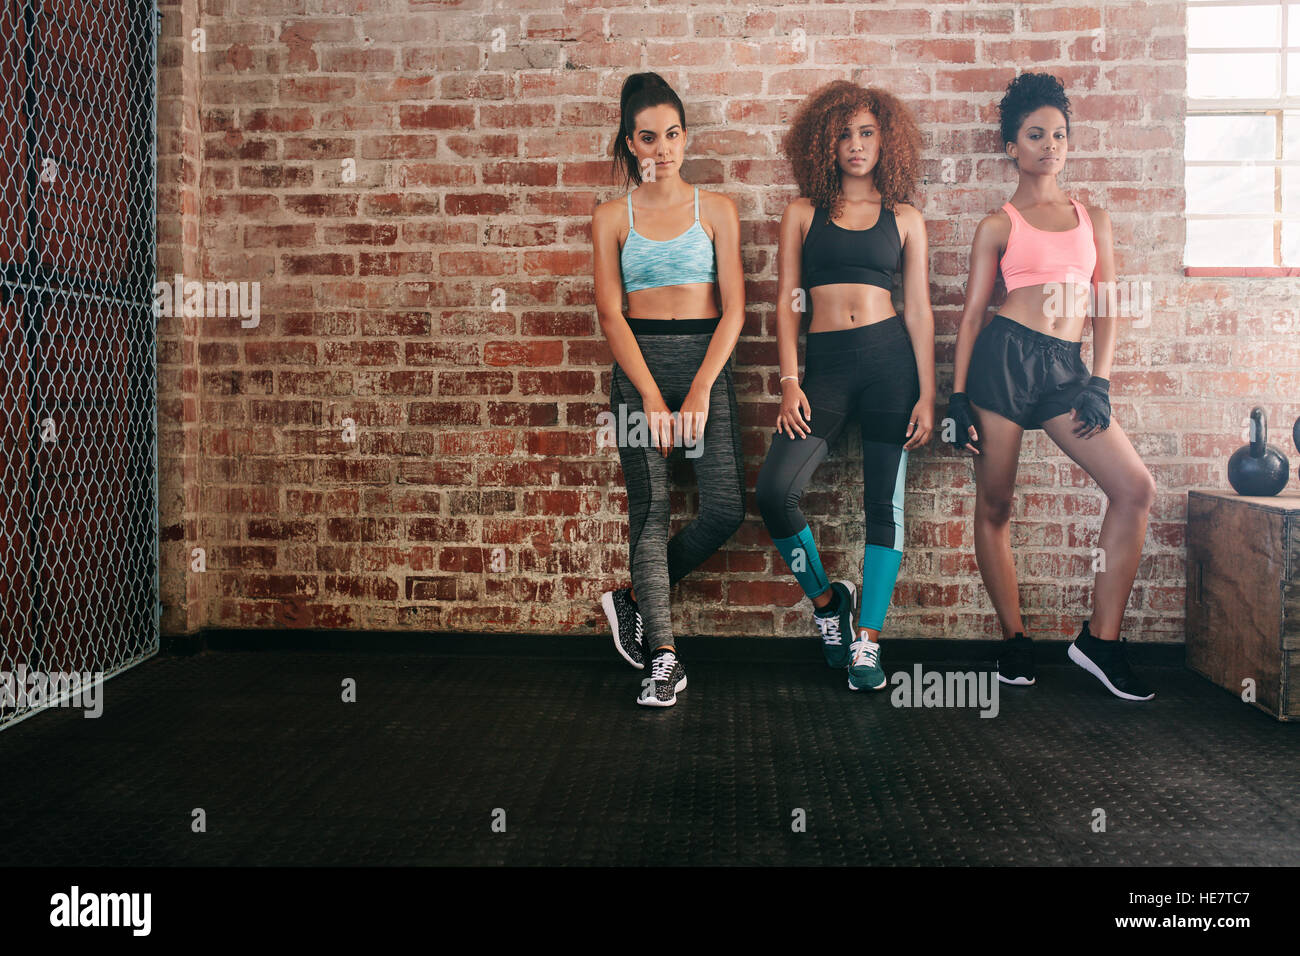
(837, 625)
(865, 672)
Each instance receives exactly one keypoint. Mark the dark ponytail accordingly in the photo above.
(640, 90)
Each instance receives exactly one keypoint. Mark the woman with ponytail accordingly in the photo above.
(673, 251)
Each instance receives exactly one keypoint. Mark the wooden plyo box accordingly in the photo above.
(1243, 595)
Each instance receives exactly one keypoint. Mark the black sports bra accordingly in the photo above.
(832, 253)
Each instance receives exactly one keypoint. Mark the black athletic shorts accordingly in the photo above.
(1024, 375)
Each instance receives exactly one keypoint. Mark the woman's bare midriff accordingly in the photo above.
(847, 305)
(694, 300)
(1056, 310)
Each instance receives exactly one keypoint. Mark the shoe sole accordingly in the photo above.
(607, 603)
(1021, 681)
(853, 686)
(1082, 659)
(656, 702)
(853, 606)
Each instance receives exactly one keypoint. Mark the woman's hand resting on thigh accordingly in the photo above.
(795, 414)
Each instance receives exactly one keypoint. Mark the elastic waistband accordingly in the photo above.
(1033, 336)
(850, 340)
(673, 326)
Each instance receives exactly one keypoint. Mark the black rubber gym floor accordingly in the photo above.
(441, 749)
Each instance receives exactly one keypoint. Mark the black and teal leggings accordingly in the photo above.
(870, 372)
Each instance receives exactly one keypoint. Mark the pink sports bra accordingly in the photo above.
(1035, 256)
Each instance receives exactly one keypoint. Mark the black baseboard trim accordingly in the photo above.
(597, 646)
(181, 645)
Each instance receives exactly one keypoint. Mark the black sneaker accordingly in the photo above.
(1105, 661)
(667, 678)
(625, 624)
(1016, 661)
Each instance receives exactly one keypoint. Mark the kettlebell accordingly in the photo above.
(1258, 468)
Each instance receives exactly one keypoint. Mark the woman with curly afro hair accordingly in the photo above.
(856, 154)
(1023, 370)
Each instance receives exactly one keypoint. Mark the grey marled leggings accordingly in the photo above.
(656, 561)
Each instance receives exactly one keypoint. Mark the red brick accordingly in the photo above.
(446, 413)
(542, 352)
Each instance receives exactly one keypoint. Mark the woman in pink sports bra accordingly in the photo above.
(1023, 371)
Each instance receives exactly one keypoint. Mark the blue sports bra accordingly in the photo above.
(651, 263)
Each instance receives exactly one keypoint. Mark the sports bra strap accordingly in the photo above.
(697, 206)
(1077, 206)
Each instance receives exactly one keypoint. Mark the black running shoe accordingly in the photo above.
(1105, 661)
(1016, 661)
(667, 678)
(625, 624)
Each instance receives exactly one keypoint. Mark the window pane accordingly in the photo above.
(1220, 189)
(1291, 133)
(1290, 189)
(1234, 26)
(1293, 72)
(1293, 24)
(1229, 75)
(1291, 243)
(1230, 137)
(1226, 242)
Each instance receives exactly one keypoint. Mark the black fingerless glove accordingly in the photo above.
(1093, 403)
(959, 412)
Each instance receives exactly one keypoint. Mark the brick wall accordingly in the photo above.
(478, 139)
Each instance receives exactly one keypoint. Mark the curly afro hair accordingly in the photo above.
(1026, 93)
(810, 144)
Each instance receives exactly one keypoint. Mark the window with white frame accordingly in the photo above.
(1242, 148)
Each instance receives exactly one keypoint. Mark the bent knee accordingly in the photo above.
(724, 520)
(778, 503)
(995, 509)
(1138, 491)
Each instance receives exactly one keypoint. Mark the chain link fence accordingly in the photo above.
(78, 402)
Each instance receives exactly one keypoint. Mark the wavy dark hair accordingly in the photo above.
(1026, 93)
(810, 144)
(640, 90)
